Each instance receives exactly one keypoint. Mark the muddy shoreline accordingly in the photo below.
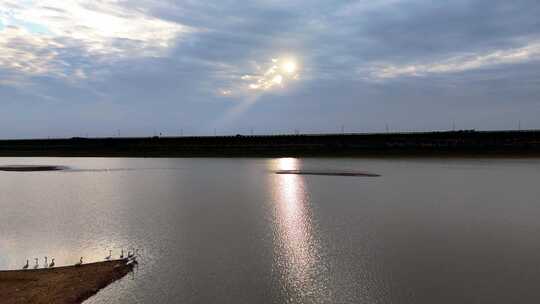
(31, 168)
(328, 173)
(68, 284)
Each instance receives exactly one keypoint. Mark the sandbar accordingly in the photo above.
(30, 168)
(330, 173)
(61, 285)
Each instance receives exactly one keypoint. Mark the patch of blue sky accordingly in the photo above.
(34, 28)
(31, 27)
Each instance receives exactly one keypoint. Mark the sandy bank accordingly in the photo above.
(70, 284)
(29, 168)
(325, 172)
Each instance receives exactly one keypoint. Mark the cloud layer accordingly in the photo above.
(462, 63)
(47, 37)
(275, 66)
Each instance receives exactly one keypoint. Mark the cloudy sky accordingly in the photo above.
(139, 67)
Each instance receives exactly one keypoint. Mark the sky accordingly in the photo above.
(144, 67)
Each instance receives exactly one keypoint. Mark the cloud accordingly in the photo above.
(460, 63)
(191, 64)
(27, 53)
(37, 32)
(273, 74)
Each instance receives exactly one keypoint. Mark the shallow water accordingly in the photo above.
(232, 231)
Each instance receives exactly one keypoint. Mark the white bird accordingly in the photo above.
(26, 265)
(122, 254)
(46, 264)
(37, 264)
(132, 262)
(109, 256)
(79, 263)
(51, 265)
(130, 254)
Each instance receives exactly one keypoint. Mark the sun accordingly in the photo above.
(289, 67)
(275, 74)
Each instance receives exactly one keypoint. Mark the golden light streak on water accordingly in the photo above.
(297, 248)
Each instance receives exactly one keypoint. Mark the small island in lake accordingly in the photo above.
(327, 172)
(31, 168)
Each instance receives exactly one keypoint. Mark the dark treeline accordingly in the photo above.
(468, 142)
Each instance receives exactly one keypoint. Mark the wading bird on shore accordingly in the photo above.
(132, 262)
(46, 264)
(122, 254)
(26, 265)
(130, 254)
(133, 254)
(79, 263)
(109, 256)
(37, 264)
(51, 265)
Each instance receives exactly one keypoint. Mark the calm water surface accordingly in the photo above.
(231, 231)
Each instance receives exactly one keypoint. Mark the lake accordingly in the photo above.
(230, 230)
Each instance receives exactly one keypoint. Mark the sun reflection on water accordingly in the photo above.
(297, 254)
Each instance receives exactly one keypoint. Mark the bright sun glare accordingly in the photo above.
(277, 79)
(289, 66)
(276, 73)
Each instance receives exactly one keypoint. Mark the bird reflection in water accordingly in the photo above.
(296, 246)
